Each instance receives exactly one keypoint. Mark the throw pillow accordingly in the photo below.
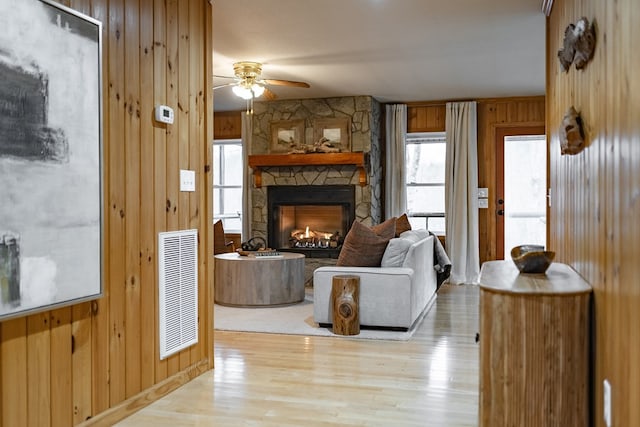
(385, 227)
(415, 235)
(396, 252)
(364, 246)
(402, 224)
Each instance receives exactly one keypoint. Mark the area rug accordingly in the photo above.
(294, 319)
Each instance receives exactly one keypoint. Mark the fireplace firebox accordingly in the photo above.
(309, 219)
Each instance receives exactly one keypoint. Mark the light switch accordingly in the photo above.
(483, 203)
(187, 180)
(483, 193)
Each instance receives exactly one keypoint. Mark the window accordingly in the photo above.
(425, 159)
(227, 183)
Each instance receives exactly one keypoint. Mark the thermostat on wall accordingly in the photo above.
(164, 114)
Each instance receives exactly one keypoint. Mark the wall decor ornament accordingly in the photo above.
(286, 134)
(332, 133)
(571, 133)
(578, 45)
(50, 157)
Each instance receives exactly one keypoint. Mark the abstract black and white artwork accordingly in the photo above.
(50, 157)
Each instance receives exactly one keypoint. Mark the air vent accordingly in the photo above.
(178, 282)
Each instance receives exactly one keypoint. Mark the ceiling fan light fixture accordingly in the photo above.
(242, 92)
(257, 90)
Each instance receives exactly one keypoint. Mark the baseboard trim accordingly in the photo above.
(132, 405)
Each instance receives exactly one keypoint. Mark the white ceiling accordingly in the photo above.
(393, 50)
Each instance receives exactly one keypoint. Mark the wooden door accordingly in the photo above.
(500, 206)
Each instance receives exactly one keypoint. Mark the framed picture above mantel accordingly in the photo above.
(286, 135)
(333, 132)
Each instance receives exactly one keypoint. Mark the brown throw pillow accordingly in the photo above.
(364, 246)
(402, 225)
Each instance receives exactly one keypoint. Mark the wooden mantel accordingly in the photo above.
(257, 162)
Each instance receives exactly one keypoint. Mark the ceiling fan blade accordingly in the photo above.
(286, 83)
(268, 95)
(224, 77)
(224, 85)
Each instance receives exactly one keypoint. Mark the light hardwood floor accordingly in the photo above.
(290, 380)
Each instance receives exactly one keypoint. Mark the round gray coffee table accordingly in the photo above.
(248, 281)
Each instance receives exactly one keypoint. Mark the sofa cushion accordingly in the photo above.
(364, 246)
(396, 252)
(415, 235)
(402, 224)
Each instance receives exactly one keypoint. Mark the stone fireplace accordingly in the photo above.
(366, 137)
(310, 219)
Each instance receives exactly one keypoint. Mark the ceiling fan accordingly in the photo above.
(249, 85)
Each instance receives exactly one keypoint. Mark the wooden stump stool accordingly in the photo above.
(345, 291)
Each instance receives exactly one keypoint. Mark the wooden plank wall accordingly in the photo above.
(595, 207)
(100, 359)
(227, 124)
(492, 114)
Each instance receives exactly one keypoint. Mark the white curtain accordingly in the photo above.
(247, 137)
(461, 192)
(395, 195)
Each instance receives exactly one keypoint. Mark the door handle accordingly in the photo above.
(500, 212)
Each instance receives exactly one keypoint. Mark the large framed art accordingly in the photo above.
(50, 157)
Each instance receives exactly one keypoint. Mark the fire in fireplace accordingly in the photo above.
(311, 219)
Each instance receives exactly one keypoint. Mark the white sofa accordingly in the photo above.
(390, 296)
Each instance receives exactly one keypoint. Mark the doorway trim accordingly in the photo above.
(500, 132)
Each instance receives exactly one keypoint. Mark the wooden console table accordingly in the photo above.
(534, 346)
(259, 281)
(259, 161)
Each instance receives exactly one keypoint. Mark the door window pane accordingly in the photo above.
(525, 184)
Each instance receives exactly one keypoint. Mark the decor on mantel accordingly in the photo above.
(578, 45)
(571, 133)
(322, 145)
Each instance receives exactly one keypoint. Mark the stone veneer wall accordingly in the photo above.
(366, 136)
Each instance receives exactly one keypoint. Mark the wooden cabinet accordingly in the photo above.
(534, 347)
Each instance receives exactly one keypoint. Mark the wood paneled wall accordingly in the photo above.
(100, 359)
(493, 114)
(227, 125)
(595, 210)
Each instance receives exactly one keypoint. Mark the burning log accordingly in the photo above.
(312, 239)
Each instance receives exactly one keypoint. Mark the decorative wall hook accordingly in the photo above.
(578, 46)
(571, 133)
